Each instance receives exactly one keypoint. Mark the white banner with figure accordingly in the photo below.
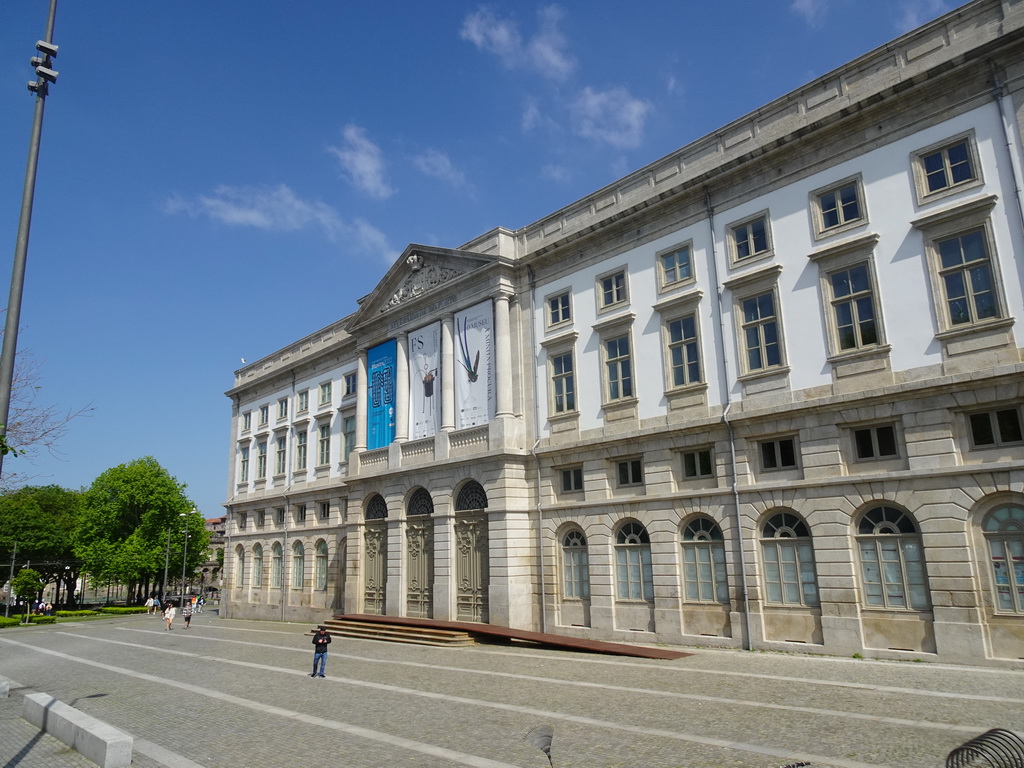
(425, 381)
(474, 365)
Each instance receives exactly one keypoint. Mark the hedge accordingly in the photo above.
(119, 611)
(43, 619)
(74, 614)
(9, 621)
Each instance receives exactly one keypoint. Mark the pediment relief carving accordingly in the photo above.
(423, 278)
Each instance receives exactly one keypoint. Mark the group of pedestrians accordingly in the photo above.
(153, 608)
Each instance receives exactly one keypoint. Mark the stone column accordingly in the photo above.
(361, 402)
(503, 356)
(402, 389)
(448, 373)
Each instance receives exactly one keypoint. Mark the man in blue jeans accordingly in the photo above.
(321, 639)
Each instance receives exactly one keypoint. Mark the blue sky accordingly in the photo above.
(218, 179)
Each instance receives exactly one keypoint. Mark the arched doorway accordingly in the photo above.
(419, 532)
(471, 558)
(376, 548)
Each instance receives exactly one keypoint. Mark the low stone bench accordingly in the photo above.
(95, 740)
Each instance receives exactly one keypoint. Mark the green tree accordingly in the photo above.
(27, 585)
(132, 516)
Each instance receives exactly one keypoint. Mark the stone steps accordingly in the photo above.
(397, 633)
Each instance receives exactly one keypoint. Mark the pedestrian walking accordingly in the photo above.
(156, 606)
(321, 639)
(199, 604)
(149, 605)
(169, 612)
(186, 613)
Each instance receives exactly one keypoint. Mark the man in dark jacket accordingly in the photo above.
(321, 639)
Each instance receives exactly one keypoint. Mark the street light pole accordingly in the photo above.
(167, 562)
(45, 75)
(184, 556)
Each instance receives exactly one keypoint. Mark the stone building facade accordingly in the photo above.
(762, 393)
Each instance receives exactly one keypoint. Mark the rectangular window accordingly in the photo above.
(630, 473)
(966, 275)
(619, 367)
(991, 429)
(778, 454)
(282, 408)
(325, 510)
(348, 435)
(750, 238)
(946, 167)
(875, 442)
(853, 307)
(612, 289)
(243, 467)
(261, 518)
(247, 421)
(325, 393)
(839, 206)
(243, 520)
(280, 464)
(572, 480)
(684, 352)
(563, 383)
(279, 516)
(350, 384)
(559, 309)
(324, 448)
(303, 404)
(301, 446)
(675, 266)
(261, 461)
(760, 328)
(264, 414)
(300, 513)
(698, 464)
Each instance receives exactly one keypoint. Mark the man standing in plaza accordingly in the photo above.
(321, 639)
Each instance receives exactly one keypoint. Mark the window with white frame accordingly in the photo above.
(875, 442)
(243, 520)
(324, 445)
(261, 518)
(264, 414)
(891, 560)
(995, 428)
(276, 559)
(239, 566)
(612, 290)
(261, 460)
(751, 238)
(559, 309)
(618, 363)
(563, 382)
(704, 577)
(675, 266)
(572, 479)
(777, 454)
(683, 350)
(348, 435)
(301, 449)
(303, 401)
(629, 473)
(298, 565)
(325, 393)
(575, 566)
(243, 464)
(279, 516)
(350, 384)
(320, 566)
(852, 296)
(247, 421)
(788, 561)
(759, 327)
(300, 513)
(838, 207)
(281, 459)
(282, 408)
(945, 168)
(1003, 529)
(634, 578)
(324, 510)
(698, 463)
(257, 565)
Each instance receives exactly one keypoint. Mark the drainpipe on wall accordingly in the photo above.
(1012, 148)
(536, 458)
(727, 399)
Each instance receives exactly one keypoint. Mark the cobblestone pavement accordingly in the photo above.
(230, 694)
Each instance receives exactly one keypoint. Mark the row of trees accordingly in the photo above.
(133, 524)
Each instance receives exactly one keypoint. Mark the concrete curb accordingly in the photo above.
(103, 744)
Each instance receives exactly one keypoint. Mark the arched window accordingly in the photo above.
(257, 565)
(472, 496)
(298, 565)
(704, 577)
(891, 561)
(239, 565)
(421, 503)
(1004, 532)
(276, 558)
(377, 509)
(575, 566)
(788, 561)
(320, 570)
(633, 575)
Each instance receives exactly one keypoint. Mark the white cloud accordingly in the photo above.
(915, 13)
(614, 117)
(438, 165)
(544, 53)
(556, 173)
(363, 163)
(813, 11)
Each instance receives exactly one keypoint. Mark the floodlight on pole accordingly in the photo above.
(45, 75)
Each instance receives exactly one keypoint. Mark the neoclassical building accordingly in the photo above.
(762, 393)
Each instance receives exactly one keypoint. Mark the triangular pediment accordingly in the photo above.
(421, 273)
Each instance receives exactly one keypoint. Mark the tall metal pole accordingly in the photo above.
(184, 558)
(21, 247)
(167, 562)
(10, 594)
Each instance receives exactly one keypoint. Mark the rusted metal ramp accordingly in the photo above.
(432, 632)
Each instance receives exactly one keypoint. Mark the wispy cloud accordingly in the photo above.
(438, 165)
(812, 11)
(614, 117)
(279, 209)
(362, 162)
(544, 53)
(556, 173)
(914, 13)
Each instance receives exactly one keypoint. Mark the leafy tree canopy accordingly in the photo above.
(27, 583)
(41, 520)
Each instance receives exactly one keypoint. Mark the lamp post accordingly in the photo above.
(167, 562)
(184, 556)
(45, 74)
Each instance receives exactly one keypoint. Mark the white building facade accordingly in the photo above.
(763, 393)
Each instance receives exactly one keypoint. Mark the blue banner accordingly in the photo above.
(380, 402)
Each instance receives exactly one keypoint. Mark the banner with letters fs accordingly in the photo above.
(425, 381)
(474, 365)
(380, 403)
